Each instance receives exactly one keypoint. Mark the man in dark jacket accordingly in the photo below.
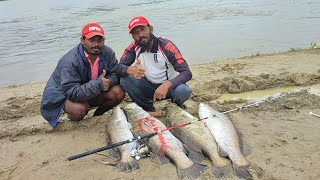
(160, 71)
(84, 78)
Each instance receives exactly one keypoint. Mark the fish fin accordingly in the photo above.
(242, 172)
(114, 154)
(246, 149)
(240, 142)
(222, 153)
(256, 169)
(192, 172)
(185, 149)
(107, 138)
(157, 159)
(128, 166)
(222, 172)
(195, 156)
(240, 138)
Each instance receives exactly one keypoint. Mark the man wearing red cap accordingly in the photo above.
(85, 77)
(160, 71)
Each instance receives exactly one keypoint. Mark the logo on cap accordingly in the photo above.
(134, 21)
(92, 29)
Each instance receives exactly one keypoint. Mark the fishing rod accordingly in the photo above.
(260, 102)
(143, 136)
(147, 135)
(313, 114)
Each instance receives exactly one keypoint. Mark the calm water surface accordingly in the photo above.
(36, 33)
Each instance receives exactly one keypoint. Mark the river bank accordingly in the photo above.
(284, 138)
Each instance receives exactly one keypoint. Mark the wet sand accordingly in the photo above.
(283, 137)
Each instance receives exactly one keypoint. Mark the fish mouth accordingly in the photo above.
(202, 105)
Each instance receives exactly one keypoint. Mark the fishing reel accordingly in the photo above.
(139, 152)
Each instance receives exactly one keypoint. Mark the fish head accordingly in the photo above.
(204, 110)
(118, 114)
(134, 112)
(172, 110)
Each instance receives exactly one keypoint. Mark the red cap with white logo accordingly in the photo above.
(92, 29)
(137, 21)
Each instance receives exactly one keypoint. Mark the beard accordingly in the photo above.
(145, 42)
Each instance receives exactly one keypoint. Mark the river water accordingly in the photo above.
(35, 34)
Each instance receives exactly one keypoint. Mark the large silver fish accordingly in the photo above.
(163, 146)
(198, 139)
(118, 130)
(227, 138)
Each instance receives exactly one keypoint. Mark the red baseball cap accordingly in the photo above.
(92, 29)
(137, 21)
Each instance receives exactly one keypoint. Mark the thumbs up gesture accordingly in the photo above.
(136, 71)
(104, 80)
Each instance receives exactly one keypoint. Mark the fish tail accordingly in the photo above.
(192, 172)
(128, 166)
(222, 171)
(158, 159)
(242, 172)
(256, 169)
(114, 153)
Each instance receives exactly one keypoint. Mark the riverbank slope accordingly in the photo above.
(283, 137)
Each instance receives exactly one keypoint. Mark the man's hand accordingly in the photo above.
(162, 90)
(136, 71)
(104, 80)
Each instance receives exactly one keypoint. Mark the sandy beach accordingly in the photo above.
(284, 139)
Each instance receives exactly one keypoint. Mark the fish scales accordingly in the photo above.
(117, 131)
(163, 146)
(227, 138)
(198, 139)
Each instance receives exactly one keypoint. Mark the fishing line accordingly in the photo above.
(147, 135)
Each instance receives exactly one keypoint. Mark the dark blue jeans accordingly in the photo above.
(141, 92)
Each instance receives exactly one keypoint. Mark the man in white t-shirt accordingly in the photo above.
(160, 71)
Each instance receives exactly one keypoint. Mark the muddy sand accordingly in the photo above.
(283, 137)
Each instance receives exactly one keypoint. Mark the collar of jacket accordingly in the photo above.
(83, 57)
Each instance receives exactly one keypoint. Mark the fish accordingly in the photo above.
(118, 130)
(228, 139)
(198, 139)
(164, 146)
